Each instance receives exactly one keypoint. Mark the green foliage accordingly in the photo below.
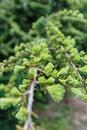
(45, 57)
(56, 91)
(51, 64)
(5, 103)
(8, 102)
(79, 92)
(15, 92)
(83, 69)
(48, 68)
(22, 114)
(68, 21)
(16, 22)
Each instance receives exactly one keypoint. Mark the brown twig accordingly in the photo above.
(28, 123)
(71, 62)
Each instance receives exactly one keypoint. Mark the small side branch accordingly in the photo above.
(28, 124)
(73, 65)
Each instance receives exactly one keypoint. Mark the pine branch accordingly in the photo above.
(71, 62)
(28, 122)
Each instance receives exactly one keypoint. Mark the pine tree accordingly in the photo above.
(50, 62)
